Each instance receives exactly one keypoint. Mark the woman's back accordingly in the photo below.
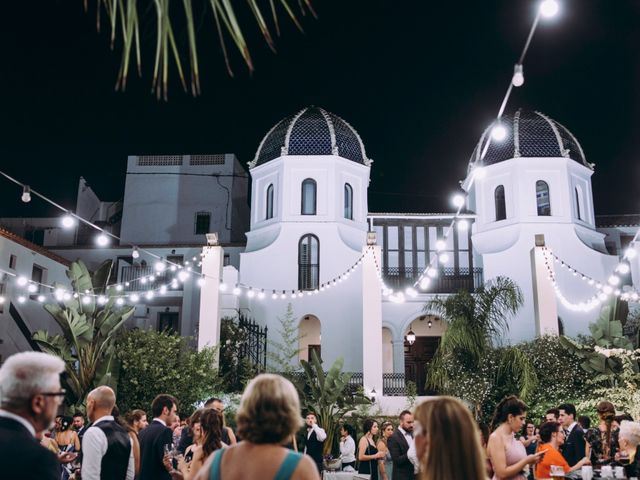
(248, 460)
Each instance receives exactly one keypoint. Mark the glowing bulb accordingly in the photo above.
(549, 8)
(160, 266)
(251, 293)
(149, 295)
(424, 283)
(444, 258)
(41, 298)
(102, 300)
(261, 295)
(223, 287)
(411, 292)
(86, 299)
(432, 272)
(630, 253)
(119, 288)
(201, 282)
(143, 280)
(26, 194)
(236, 291)
(458, 200)
(274, 295)
(102, 240)
(135, 253)
(32, 288)
(614, 280)
(68, 221)
(518, 75)
(499, 132)
(134, 297)
(59, 294)
(22, 281)
(283, 295)
(183, 276)
(163, 289)
(120, 301)
(623, 268)
(22, 299)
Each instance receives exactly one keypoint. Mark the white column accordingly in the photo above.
(209, 318)
(371, 321)
(398, 356)
(544, 295)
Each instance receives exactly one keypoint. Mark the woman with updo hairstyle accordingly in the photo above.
(448, 441)
(508, 456)
(602, 441)
(268, 415)
(629, 438)
(137, 420)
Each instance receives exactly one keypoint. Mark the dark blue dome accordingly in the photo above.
(311, 131)
(529, 134)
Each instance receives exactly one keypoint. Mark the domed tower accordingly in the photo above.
(535, 181)
(309, 222)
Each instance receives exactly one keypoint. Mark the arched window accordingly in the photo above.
(269, 202)
(501, 206)
(543, 201)
(578, 212)
(348, 202)
(308, 262)
(309, 188)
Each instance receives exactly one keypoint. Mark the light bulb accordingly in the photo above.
(102, 300)
(2, 299)
(424, 283)
(499, 132)
(22, 281)
(68, 221)
(261, 295)
(26, 194)
(623, 268)
(183, 276)
(201, 282)
(102, 240)
(22, 299)
(223, 287)
(135, 253)
(86, 299)
(236, 291)
(444, 258)
(440, 245)
(134, 297)
(149, 295)
(630, 253)
(163, 289)
(32, 288)
(160, 266)
(549, 8)
(120, 301)
(458, 200)
(251, 293)
(274, 295)
(614, 280)
(518, 75)
(119, 288)
(432, 272)
(41, 298)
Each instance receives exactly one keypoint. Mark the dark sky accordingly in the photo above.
(419, 80)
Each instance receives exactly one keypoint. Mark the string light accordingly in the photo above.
(135, 253)
(549, 8)
(458, 200)
(26, 194)
(518, 75)
(67, 221)
(499, 132)
(102, 240)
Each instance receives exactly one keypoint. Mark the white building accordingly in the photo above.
(307, 241)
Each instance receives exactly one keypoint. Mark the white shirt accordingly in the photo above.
(94, 446)
(19, 419)
(412, 455)
(348, 449)
(321, 435)
(160, 420)
(571, 427)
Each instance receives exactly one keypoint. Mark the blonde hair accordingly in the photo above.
(269, 410)
(449, 427)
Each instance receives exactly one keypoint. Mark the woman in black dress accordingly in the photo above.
(368, 454)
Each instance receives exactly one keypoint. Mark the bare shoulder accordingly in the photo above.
(204, 472)
(306, 470)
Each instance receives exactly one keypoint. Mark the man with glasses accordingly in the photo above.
(30, 395)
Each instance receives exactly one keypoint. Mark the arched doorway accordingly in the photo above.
(428, 330)
(309, 337)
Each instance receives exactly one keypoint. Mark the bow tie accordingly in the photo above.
(409, 434)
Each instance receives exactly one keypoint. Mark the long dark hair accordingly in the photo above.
(510, 405)
(211, 425)
(607, 413)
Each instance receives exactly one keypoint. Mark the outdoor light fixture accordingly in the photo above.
(411, 337)
(371, 238)
(549, 8)
(26, 194)
(458, 200)
(498, 132)
(429, 323)
(212, 239)
(68, 221)
(372, 395)
(518, 75)
(623, 268)
(630, 253)
(102, 240)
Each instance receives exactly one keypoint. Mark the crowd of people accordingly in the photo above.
(440, 440)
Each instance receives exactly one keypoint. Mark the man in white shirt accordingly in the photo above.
(106, 446)
(315, 440)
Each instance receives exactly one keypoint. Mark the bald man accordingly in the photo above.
(106, 446)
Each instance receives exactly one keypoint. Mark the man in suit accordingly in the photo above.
(574, 446)
(30, 395)
(106, 447)
(400, 445)
(155, 437)
(315, 440)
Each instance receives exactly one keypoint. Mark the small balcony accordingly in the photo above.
(137, 279)
(449, 280)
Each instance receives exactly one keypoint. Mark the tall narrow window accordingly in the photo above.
(543, 201)
(501, 206)
(348, 201)
(203, 221)
(308, 197)
(578, 212)
(308, 262)
(269, 202)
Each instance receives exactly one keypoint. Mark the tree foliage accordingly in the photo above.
(283, 355)
(89, 330)
(162, 362)
(327, 395)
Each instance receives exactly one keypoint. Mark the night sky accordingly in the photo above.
(419, 80)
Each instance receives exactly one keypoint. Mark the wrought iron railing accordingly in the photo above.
(449, 280)
(142, 279)
(393, 384)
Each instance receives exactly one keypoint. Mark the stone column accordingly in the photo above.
(544, 295)
(209, 318)
(398, 356)
(371, 321)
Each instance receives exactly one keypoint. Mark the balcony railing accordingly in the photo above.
(137, 279)
(449, 280)
(393, 384)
